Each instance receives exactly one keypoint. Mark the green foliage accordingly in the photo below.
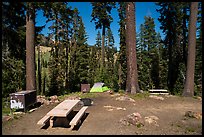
(5, 106)
(101, 75)
(72, 61)
(190, 129)
(93, 63)
(139, 95)
(101, 14)
(13, 32)
(13, 76)
(198, 60)
(98, 39)
(111, 65)
(61, 14)
(88, 95)
(78, 94)
(179, 85)
(173, 25)
(139, 125)
(149, 53)
(13, 47)
(149, 35)
(122, 59)
(82, 56)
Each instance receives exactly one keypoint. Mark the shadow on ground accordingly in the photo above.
(64, 121)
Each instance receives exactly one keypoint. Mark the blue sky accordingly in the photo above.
(85, 10)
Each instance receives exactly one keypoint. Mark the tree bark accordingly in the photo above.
(184, 36)
(30, 48)
(189, 84)
(66, 68)
(39, 71)
(132, 85)
(103, 47)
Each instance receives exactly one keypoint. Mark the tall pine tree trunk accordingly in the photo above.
(30, 48)
(132, 85)
(39, 71)
(103, 48)
(189, 84)
(184, 36)
(66, 68)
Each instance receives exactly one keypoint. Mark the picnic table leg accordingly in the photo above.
(72, 126)
(51, 121)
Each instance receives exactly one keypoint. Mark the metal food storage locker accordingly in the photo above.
(85, 88)
(23, 99)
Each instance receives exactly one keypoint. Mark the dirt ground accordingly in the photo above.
(100, 120)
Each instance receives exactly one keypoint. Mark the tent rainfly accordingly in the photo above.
(99, 87)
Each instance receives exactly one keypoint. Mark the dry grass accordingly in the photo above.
(44, 49)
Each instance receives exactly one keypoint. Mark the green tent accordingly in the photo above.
(99, 87)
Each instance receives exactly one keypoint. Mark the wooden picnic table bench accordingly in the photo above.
(62, 110)
(78, 116)
(158, 91)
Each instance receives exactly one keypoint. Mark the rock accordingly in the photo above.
(42, 100)
(192, 114)
(141, 91)
(46, 102)
(199, 98)
(151, 119)
(125, 98)
(18, 113)
(54, 99)
(73, 98)
(110, 91)
(108, 106)
(115, 94)
(133, 119)
(111, 108)
(6, 118)
(119, 108)
(32, 110)
(124, 122)
(156, 97)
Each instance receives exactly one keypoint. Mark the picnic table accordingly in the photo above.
(62, 110)
(158, 91)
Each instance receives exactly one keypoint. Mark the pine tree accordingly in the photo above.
(13, 53)
(189, 83)
(122, 59)
(171, 23)
(110, 60)
(30, 47)
(149, 33)
(82, 55)
(198, 61)
(73, 52)
(109, 49)
(58, 13)
(101, 15)
(132, 85)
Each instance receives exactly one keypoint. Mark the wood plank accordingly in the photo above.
(63, 109)
(159, 93)
(43, 120)
(51, 121)
(77, 117)
(152, 90)
(67, 104)
(59, 112)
